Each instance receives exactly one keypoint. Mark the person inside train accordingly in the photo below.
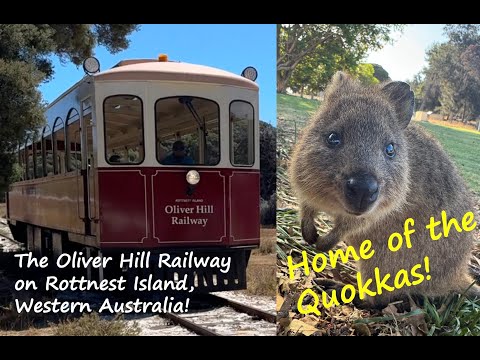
(178, 155)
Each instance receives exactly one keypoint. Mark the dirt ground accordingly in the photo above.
(471, 125)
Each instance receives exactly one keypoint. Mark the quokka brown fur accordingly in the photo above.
(363, 162)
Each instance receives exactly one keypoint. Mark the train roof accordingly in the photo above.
(172, 71)
(140, 70)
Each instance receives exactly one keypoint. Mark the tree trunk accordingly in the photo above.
(463, 114)
(282, 80)
(301, 91)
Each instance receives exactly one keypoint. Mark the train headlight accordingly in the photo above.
(91, 65)
(250, 73)
(193, 177)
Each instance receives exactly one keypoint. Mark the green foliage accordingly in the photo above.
(318, 50)
(268, 164)
(365, 73)
(454, 316)
(470, 59)
(25, 63)
(451, 81)
(7, 173)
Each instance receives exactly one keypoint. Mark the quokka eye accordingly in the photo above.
(333, 139)
(390, 150)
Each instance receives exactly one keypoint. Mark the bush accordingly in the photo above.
(93, 325)
(267, 245)
(262, 280)
(268, 163)
(268, 210)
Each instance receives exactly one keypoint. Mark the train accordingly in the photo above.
(150, 155)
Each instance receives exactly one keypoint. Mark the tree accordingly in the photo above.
(470, 59)
(25, 62)
(296, 42)
(459, 90)
(365, 73)
(451, 81)
(380, 73)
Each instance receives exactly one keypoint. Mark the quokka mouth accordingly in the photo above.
(359, 213)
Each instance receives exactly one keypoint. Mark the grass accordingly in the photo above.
(261, 270)
(93, 325)
(261, 280)
(463, 146)
(456, 316)
(295, 108)
(267, 241)
(451, 316)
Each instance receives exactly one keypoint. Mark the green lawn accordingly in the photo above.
(464, 148)
(295, 108)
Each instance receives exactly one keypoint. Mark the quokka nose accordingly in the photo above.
(361, 191)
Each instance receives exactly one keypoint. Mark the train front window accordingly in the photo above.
(241, 133)
(123, 116)
(188, 131)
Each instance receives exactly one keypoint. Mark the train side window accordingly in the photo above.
(58, 138)
(21, 162)
(38, 158)
(28, 158)
(47, 151)
(241, 133)
(123, 123)
(73, 149)
(35, 152)
(187, 130)
(30, 166)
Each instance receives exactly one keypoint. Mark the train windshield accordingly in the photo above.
(188, 131)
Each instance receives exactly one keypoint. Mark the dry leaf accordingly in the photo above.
(297, 326)
(308, 284)
(391, 309)
(346, 310)
(310, 320)
(417, 322)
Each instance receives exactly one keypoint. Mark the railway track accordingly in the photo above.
(232, 318)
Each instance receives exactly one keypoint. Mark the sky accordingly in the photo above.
(406, 56)
(227, 47)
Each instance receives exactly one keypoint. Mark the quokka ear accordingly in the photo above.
(340, 78)
(338, 83)
(403, 100)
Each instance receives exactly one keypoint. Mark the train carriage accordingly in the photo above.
(148, 155)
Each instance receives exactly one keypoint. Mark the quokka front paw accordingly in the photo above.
(309, 231)
(327, 242)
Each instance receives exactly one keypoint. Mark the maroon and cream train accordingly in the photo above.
(99, 176)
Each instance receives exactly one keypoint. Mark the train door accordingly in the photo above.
(88, 166)
(188, 140)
